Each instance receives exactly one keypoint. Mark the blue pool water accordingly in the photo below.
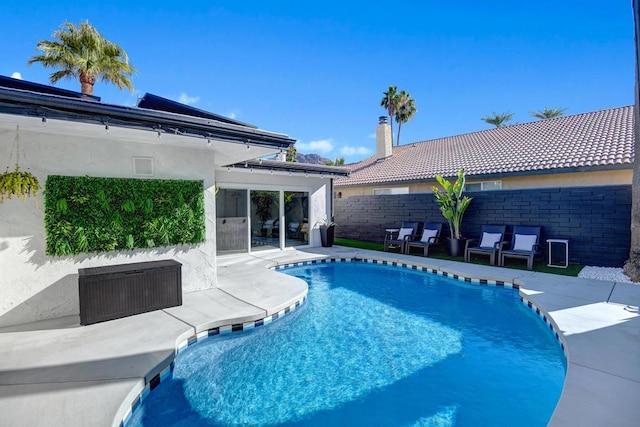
(373, 346)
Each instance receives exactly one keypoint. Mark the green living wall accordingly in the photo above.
(87, 214)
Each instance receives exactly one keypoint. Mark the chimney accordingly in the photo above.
(383, 139)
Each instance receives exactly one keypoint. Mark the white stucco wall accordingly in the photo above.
(34, 286)
(318, 189)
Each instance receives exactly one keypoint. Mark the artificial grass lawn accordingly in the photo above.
(539, 266)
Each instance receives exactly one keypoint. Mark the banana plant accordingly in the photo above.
(452, 203)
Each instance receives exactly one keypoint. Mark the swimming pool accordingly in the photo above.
(373, 345)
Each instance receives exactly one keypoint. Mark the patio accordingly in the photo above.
(53, 372)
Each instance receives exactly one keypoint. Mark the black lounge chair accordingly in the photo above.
(489, 243)
(525, 244)
(430, 236)
(395, 238)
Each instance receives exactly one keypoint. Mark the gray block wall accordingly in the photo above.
(596, 220)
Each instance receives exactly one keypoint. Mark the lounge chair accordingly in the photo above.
(489, 243)
(524, 245)
(293, 230)
(430, 236)
(395, 238)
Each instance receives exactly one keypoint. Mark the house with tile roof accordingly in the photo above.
(588, 149)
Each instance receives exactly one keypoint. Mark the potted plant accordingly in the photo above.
(453, 205)
(327, 232)
(18, 183)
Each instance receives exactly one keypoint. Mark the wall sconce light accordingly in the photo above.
(106, 128)
(44, 121)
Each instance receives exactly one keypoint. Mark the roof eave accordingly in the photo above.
(26, 103)
(538, 172)
(293, 167)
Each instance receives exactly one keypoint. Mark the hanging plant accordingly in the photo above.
(18, 183)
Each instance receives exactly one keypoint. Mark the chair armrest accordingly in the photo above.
(503, 245)
(411, 237)
(499, 245)
(468, 243)
(434, 240)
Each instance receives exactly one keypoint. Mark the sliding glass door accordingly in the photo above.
(296, 213)
(256, 220)
(265, 220)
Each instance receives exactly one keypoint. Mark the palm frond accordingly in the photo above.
(548, 113)
(498, 119)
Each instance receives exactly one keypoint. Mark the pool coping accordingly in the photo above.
(602, 385)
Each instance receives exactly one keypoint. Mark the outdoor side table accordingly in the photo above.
(558, 253)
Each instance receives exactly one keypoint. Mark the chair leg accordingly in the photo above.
(530, 263)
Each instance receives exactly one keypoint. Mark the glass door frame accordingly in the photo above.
(281, 208)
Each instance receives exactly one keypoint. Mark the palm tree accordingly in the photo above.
(632, 265)
(406, 109)
(390, 103)
(291, 154)
(548, 113)
(498, 119)
(82, 52)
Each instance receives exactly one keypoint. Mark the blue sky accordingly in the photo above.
(317, 70)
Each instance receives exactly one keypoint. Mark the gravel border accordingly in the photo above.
(610, 274)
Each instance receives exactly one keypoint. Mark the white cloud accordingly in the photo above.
(323, 146)
(372, 136)
(351, 151)
(231, 115)
(16, 75)
(188, 100)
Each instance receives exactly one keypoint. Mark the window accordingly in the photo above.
(483, 186)
(394, 190)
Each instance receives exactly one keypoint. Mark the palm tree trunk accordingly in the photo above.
(399, 127)
(632, 265)
(391, 123)
(86, 83)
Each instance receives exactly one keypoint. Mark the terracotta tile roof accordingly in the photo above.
(596, 139)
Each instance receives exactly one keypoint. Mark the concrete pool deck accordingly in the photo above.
(57, 372)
